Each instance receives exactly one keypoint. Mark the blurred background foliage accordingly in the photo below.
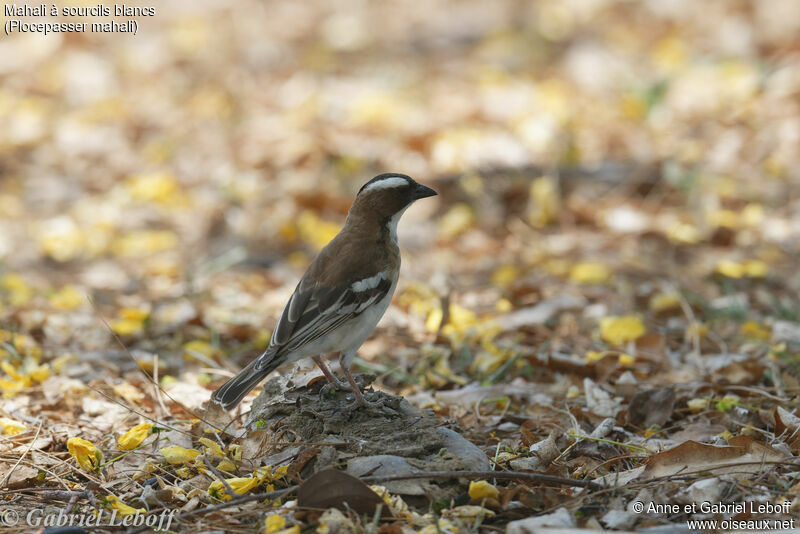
(570, 139)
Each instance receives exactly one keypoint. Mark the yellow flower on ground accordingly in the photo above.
(755, 268)
(626, 359)
(503, 276)
(67, 298)
(159, 187)
(748, 268)
(122, 508)
(227, 466)
(442, 526)
(176, 454)
(730, 268)
(212, 447)
(130, 321)
(274, 523)
(22, 377)
(697, 405)
(135, 436)
(696, 329)
(589, 273)
(684, 234)
(240, 485)
(17, 290)
(11, 427)
(480, 489)
(267, 474)
(754, 330)
(621, 330)
(595, 356)
(128, 391)
(544, 202)
(85, 453)
(140, 243)
(11, 371)
(664, 301)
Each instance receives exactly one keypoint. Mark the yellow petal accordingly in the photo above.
(17, 289)
(226, 465)
(176, 454)
(481, 489)
(212, 447)
(67, 298)
(85, 453)
(620, 330)
(144, 243)
(504, 275)
(544, 202)
(754, 330)
(135, 436)
(589, 273)
(11, 427)
(274, 523)
(122, 508)
(127, 391)
(239, 485)
(154, 187)
(755, 268)
(11, 371)
(12, 387)
(595, 356)
(730, 268)
(683, 233)
(127, 327)
(268, 474)
(697, 405)
(626, 359)
(39, 373)
(664, 301)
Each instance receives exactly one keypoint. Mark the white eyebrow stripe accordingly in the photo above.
(394, 181)
(367, 283)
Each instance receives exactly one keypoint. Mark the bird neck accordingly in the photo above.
(373, 225)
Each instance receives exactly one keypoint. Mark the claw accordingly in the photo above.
(333, 386)
(361, 402)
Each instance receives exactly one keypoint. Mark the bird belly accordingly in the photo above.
(349, 335)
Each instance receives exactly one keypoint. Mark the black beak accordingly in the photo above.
(422, 191)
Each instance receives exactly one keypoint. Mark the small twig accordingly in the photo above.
(71, 496)
(609, 441)
(157, 387)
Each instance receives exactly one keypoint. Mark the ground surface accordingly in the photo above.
(606, 287)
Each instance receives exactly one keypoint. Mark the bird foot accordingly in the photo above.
(330, 387)
(361, 402)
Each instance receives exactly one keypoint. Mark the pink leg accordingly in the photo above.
(335, 382)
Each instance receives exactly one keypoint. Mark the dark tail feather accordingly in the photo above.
(229, 394)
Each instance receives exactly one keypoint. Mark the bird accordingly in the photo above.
(343, 294)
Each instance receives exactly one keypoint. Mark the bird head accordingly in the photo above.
(384, 198)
